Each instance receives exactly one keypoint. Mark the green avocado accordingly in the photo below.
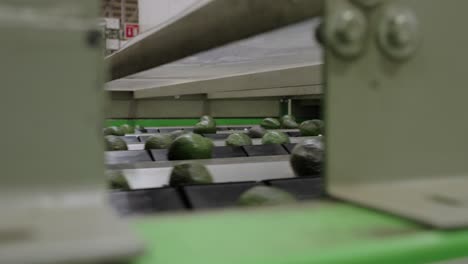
(127, 129)
(289, 124)
(114, 143)
(263, 195)
(117, 180)
(256, 132)
(114, 131)
(309, 128)
(287, 117)
(270, 123)
(307, 157)
(205, 127)
(208, 118)
(275, 137)
(190, 146)
(238, 139)
(120, 132)
(190, 173)
(110, 131)
(158, 141)
(177, 133)
(320, 124)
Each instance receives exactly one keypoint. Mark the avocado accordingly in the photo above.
(287, 117)
(158, 141)
(127, 129)
(117, 180)
(190, 173)
(263, 195)
(208, 119)
(275, 137)
(190, 146)
(307, 157)
(120, 132)
(289, 124)
(114, 143)
(176, 133)
(238, 139)
(309, 128)
(114, 131)
(320, 124)
(205, 127)
(256, 132)
(270, 123)
(110, 131)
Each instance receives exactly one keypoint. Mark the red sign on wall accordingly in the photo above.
(131, 30)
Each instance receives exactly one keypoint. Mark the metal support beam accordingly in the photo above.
(274, 92)
(209, 24)
(300, 76)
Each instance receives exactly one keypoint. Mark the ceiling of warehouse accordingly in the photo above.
(290, 47)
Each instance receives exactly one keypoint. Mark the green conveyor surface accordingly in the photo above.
(324, 232)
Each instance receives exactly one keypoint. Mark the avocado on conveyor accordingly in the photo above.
(264, 195)
(288, 122)
(113, 143)
(190, 146)
(158, 141)
(190, 173)
(238, 139)
(256, 132)
(307, 157)
(114, 131)
(207, 125)
(275, 137)
(310, 128)
(320, 124)
(127, 129)
(270, 123)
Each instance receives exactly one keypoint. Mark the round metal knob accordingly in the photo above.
(398, 33)
(346, 32)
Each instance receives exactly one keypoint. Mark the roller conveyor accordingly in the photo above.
(150, 192)
(153, 175)
(234, 170)
(160, 155)
(219, 142)
(202, 197)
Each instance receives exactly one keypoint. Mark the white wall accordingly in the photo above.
(155, 12)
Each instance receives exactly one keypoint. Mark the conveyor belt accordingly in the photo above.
(234, 170)
(154, 175)
(209, 196)
(217, 142)
(160, 155)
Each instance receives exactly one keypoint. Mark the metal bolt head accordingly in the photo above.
(398, 33)
(346, 32)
